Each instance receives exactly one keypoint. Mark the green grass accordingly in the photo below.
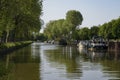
(14, 44)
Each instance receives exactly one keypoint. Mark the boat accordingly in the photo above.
(97, 43)
(83, 44)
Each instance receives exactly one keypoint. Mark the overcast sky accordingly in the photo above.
(94, 12)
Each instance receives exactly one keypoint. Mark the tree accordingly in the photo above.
(94, 31)
(7, 17)
(27, 19)
(19, 18)
(102, 30)
(60, 29)
(116, 29)
(84, 33)
(108, 31)
(74, 18)
(55, 29)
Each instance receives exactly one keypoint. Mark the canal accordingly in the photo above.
(40, 61)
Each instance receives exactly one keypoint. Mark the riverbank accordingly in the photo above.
(7, 47)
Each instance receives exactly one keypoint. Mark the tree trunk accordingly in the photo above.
(7, 35)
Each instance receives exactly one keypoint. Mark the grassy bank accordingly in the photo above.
(6, 47)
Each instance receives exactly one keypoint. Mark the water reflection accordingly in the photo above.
(22, 64)
(41, 61)
(96, 55)
(64, 59)
(106, 65)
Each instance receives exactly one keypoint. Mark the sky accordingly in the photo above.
(94, 12)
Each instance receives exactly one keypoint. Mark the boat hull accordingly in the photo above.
(98, 48)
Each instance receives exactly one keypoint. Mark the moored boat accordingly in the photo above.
(97, 43)
(83, 44)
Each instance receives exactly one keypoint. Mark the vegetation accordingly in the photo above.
(19, 19)
(64, 28)
(40, 37)
(110, 30)
(5, 47)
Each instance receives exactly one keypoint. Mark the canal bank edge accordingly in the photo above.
(7, 47)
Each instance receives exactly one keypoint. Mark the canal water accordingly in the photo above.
(40, 61)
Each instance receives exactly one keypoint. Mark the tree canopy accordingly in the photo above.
(19, 19)
(74, 17)
(58, 29)
(109, 30)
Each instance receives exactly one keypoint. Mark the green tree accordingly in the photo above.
(27, 18)
(116, 29)
(55, 29)
(108, 31)
(74, 18)
(60, 29)
(19, 18)
(48, 30)
(102, 30)
(84, 33)
(6, 17)
(94, 31)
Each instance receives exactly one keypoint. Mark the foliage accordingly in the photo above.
(94, 31)
(62, 28)
(74, 18)
(116, 29)
(84, 33)
(13, 44)
(19, 18)
(109, 30)
(41, 37)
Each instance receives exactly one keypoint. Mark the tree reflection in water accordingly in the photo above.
(22, 64)
(53, 62)
(108, 60)
(66, 56)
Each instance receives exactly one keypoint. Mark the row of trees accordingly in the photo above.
(109, 30)
(19, 19)
(63, 28)
(67, 28)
